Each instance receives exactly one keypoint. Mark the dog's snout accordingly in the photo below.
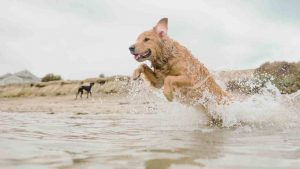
(131, 48)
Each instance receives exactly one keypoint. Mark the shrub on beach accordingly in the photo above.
(246, 85)
(284, 75)
(101, 75)
(51, 77)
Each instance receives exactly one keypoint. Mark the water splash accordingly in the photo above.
(268, 107)
(169, 115)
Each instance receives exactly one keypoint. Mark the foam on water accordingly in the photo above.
(268, 108)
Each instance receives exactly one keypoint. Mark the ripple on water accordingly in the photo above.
(156, 135)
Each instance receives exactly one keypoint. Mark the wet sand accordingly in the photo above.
(60, 104)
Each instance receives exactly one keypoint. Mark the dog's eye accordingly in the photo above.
(146, 39)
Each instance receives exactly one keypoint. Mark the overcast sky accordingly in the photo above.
(84, 38)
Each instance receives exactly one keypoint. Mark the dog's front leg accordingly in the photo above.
(137, 72)
(149, 75)
(175, 81)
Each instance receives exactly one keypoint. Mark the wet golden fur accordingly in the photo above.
(173, 67)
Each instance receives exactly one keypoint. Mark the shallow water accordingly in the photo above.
(145, 131)
(141, 139)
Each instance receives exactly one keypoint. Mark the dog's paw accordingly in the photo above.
(143, 66)
(169, 95)
(136, 74)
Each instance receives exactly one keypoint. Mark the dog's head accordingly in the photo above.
(148, 44)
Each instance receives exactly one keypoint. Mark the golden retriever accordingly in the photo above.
(174, 68)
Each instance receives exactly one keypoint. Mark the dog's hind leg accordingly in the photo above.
(81, 92)
(77, 94)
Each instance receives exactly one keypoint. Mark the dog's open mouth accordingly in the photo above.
(142, 56)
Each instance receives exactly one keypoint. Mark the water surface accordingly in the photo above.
(141, 139)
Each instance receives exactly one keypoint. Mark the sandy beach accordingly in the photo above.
(61, 104)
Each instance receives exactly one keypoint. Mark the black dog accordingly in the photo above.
(87, 89)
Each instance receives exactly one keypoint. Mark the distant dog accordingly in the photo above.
(88, 90)
(173, 67)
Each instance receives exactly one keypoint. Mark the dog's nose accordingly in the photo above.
(131, 48)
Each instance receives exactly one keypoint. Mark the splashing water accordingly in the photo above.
(171, 115)
(257, 110)
(266, 108)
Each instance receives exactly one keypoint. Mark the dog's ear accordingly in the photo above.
(161, 27)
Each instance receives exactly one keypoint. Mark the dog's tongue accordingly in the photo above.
(136, 56)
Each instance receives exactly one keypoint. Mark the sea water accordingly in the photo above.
(258, 131)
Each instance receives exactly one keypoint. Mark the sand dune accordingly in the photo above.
(108, 85)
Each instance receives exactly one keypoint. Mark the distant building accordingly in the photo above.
(18, 78)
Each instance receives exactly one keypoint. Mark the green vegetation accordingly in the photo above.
(51, 77)
(247, 86)
(284, 75)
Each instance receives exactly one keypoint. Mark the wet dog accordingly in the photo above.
(174, 68)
